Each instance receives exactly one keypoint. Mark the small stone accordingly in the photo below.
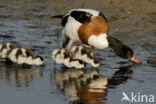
(129, 12)
(116, 30)
(152, 60)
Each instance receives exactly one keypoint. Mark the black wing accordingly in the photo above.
(81, 16)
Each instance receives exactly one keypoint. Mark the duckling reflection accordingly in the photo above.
(19, 77)
(80, 85)
(89, 87)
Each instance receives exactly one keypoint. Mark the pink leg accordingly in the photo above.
(70, 44)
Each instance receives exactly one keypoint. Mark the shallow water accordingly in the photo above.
(27, 23)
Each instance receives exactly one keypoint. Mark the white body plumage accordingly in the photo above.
(24, 56)
(77, 21)
(86, 54)
(5, 49)
(63, 56)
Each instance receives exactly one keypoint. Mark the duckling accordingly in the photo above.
(64, 56)
(87, 77)
(86, 54)
(24, 56)
(5, 49)
(77, 83)
(81, 49)
(57, 55)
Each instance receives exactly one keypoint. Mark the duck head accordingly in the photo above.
(122, 50)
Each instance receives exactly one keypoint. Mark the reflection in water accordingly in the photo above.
(81, 86)
(88, 87)
(121, 76)
(19, 77)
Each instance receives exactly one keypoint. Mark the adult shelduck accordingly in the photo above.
(91, 27)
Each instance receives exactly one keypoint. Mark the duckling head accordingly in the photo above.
(38, 60)
(77, 63)
(95, 62)
(10, 45)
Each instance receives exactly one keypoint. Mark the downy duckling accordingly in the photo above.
(64, 56)
(86, 54)
(83, 82)
(5, 49)
(25, 56)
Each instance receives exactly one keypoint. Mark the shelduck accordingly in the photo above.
(64, 56)
(21, 55)
(5, 49)
(91, 27)
(86, 54)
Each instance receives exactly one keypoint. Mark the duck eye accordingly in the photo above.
(129, 54)
(87, 14)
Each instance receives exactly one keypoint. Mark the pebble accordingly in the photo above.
(152, 60)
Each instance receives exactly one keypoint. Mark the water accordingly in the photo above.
(27, 23)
